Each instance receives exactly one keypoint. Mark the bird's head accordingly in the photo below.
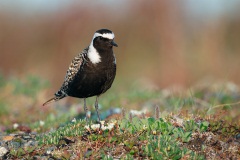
(103, 38)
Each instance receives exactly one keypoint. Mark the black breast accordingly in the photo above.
(93, 79)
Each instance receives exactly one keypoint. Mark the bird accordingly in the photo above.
(91, 72)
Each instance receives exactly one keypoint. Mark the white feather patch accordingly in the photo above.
(104, 35)
(93, 55)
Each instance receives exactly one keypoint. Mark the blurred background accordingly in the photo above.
(161, 43)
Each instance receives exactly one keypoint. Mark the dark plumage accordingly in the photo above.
(92, 71)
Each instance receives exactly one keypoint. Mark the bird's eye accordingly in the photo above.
(101, 37)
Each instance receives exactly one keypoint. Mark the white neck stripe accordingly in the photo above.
(93, 55)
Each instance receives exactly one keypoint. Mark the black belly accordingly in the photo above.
(88, 83)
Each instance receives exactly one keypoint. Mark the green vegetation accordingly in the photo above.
(185, 126)
(152, 138)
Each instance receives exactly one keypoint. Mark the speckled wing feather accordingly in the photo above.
(73, 69)
(71, 72)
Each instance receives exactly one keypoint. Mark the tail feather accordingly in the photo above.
(54, 99)
(59, 95)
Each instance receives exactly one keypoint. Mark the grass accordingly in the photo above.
(155, 124)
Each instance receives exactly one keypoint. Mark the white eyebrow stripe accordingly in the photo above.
(105, 35)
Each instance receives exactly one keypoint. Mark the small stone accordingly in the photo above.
(2, 143)
(238, 136)
(26, 137)
(50, 150)
(7, 138)
(15, 144)
(33, 133)
(30, 143)
(20, 133)
(13, 134)
(3, 151)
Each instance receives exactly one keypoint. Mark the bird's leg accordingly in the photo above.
(86, 111)
(96, 107)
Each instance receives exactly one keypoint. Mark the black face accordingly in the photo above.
(103, 43)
